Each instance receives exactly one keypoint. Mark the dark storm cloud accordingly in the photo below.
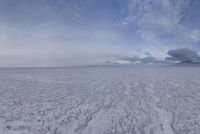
(183, 55)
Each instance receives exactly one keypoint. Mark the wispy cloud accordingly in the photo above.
(160, 22)
(53, 33)
(72, 32)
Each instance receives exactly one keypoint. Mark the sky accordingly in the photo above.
(89, 32)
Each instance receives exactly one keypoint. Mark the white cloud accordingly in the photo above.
(159, 22)
(195, 35)
(65, 36)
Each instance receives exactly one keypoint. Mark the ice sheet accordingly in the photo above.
(100, 100)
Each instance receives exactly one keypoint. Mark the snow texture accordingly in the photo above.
(100, 100)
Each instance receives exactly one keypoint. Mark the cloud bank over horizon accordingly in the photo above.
(174, 56)
(76, 32)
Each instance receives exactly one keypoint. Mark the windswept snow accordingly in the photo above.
(100, 100)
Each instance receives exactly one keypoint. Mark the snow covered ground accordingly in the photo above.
(100, 100)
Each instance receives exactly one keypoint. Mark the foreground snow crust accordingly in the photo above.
(100, 100)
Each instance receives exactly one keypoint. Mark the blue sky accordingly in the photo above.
(82, 32)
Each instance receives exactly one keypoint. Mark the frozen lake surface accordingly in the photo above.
(100, 100)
